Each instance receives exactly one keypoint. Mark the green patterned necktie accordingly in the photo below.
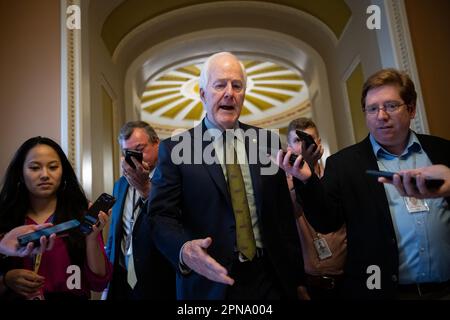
(244, 230)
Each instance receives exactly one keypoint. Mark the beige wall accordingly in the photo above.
(354, 85)
(100, 78)
(29, 73)
(429, 25)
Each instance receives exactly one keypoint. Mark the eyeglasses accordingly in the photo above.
(388, 106)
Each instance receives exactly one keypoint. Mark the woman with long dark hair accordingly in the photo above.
(40, 186)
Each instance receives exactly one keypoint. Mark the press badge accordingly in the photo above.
(416, 205)
(322, 248)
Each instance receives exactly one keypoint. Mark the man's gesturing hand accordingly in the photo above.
(196, 258)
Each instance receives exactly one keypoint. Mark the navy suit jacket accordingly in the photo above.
(191, 201)
(347, 194)
(156, 277)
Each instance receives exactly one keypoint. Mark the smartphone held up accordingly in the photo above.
(135, 154)
(430, 183)
(103, 203)
(308, 139)
(58, 229)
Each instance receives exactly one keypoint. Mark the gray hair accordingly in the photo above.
(204, 73)
(127, 130)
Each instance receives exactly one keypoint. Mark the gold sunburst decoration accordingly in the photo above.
(171, 98)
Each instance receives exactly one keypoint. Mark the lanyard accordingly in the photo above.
(136, 204)
(38, 257)
(37, 262)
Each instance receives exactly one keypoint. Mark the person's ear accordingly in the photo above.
(202, 95)
(412, 111)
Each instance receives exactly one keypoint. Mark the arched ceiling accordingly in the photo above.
(132, 13)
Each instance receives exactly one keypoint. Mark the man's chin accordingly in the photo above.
(384, 136)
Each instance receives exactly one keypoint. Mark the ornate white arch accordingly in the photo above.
(245, 42)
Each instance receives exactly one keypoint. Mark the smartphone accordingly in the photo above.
(58, 229)
(135, 154)
(103, 203)
(303, 136)
(292, 159)
(430, 183)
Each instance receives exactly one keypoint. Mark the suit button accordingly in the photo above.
(394, 278)
(393, 240)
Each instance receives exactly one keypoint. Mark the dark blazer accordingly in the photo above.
(349, 195)
(191, 201)
(156, 277)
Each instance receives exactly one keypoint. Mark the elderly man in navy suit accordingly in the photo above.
(220, 210)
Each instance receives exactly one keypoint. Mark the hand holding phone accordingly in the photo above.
(103, 203)
(58, 229)
(303, 136)
(430, 183)
(135, 154)
(292, 159)
(302, 172)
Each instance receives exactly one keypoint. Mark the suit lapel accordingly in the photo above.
(215, 169)
(122, 192)
(377, 193)
(116, 228)
(255, 169)
(434, 151)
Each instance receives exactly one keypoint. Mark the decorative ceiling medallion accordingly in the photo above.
(171, 98)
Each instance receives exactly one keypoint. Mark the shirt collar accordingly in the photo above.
(412, 146)
(216, 132)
